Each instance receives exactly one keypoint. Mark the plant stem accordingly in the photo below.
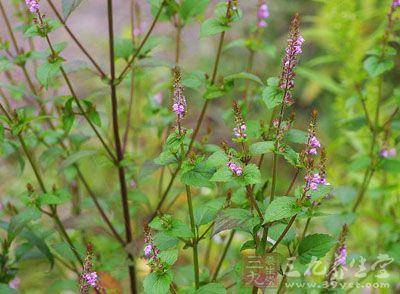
(54, 214)
(74, 38)
(214, 76)
(118, 146)
(194, 240)
(221, 260)
(128, 65)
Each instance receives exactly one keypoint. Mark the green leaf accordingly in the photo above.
(163, 241)
(234, 218)
(20, 221)
(280, 208)
(1, 133)
(211, 288)
(194, 80)
(251, 175)
(391, 165)
(5, 289)
(34, 240)
(297, 136)
(171, 226)
(49, 25)
(376, 66)
(157, 283)
(73, 158)
(315, 245)
(50, 155)
(57, 198)
(190, 8)
(261, 148)
(276, 231)
(198, 176)
(123, 48)
(47, 71)
(246, 76)
(68, 6)
(272, 94)
(291, 156)
(169, 256)
(204, 214)
(223, 174)
(212, 26)
(217, 159)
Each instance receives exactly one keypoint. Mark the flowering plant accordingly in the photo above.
(170, 165)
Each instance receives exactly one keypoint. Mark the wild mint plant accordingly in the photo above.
(189, 142)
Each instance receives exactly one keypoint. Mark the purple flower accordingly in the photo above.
(148, 250)
(262, 24)
(239, 132)
(91, 278)
(179, 105)
(295, 41)
(313, 145)
(315, 180)
(33, 5)
(341, 255)
(236, 170)
(396, 3)
(158, 98)
(14, 284)
(386, 152)
(263, 11)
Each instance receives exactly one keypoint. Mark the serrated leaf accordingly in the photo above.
(47, 71)
(246, 76)
(19, 222)
(315, 245)
(233, 218)
(261, 148)
(272, 94)
(157, 283)
(68, 6)
(168, 256)
(212, 26)
(280, 208)
(251, 175)
(190, 8)
(217, 159)
(276, 230)
(297, 136)
(211, 288)
(376, 66)
(73, 158)
(223, 174)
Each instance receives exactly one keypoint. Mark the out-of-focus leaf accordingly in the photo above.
(75, 157)
(68, 6)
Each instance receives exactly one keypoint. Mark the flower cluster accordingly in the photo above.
(151, 252)
(236, 169)
(341, 255)
(33, 5)
(89, 277)
(313, 145)
(179, 104)
(263, 14)
(295, 41)
(386, 152)
(240, 130)
(396, 3)
(315, 180)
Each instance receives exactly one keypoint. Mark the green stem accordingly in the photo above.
(221, 260)
(194, 240)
